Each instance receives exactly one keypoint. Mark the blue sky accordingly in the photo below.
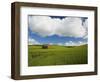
(40, 32)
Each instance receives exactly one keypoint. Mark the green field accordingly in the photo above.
(57, 55)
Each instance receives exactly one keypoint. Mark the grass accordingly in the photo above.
(56, 55)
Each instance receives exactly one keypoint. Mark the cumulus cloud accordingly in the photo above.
(32, 41)
(85, 25)
(47, 26)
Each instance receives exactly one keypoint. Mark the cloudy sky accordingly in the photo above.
(58, 30)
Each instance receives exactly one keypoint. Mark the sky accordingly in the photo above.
(59, 30)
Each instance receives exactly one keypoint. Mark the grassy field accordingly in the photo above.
(56, 55)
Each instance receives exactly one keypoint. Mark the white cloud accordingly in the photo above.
(47, 26)
(85, 25)
(60, 44)
(32, 41)
(85, 37)
(72, 43)
(51, 43)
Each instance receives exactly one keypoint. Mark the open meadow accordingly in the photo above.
(57, 55)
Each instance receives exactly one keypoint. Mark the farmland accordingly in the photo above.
(57, 55)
